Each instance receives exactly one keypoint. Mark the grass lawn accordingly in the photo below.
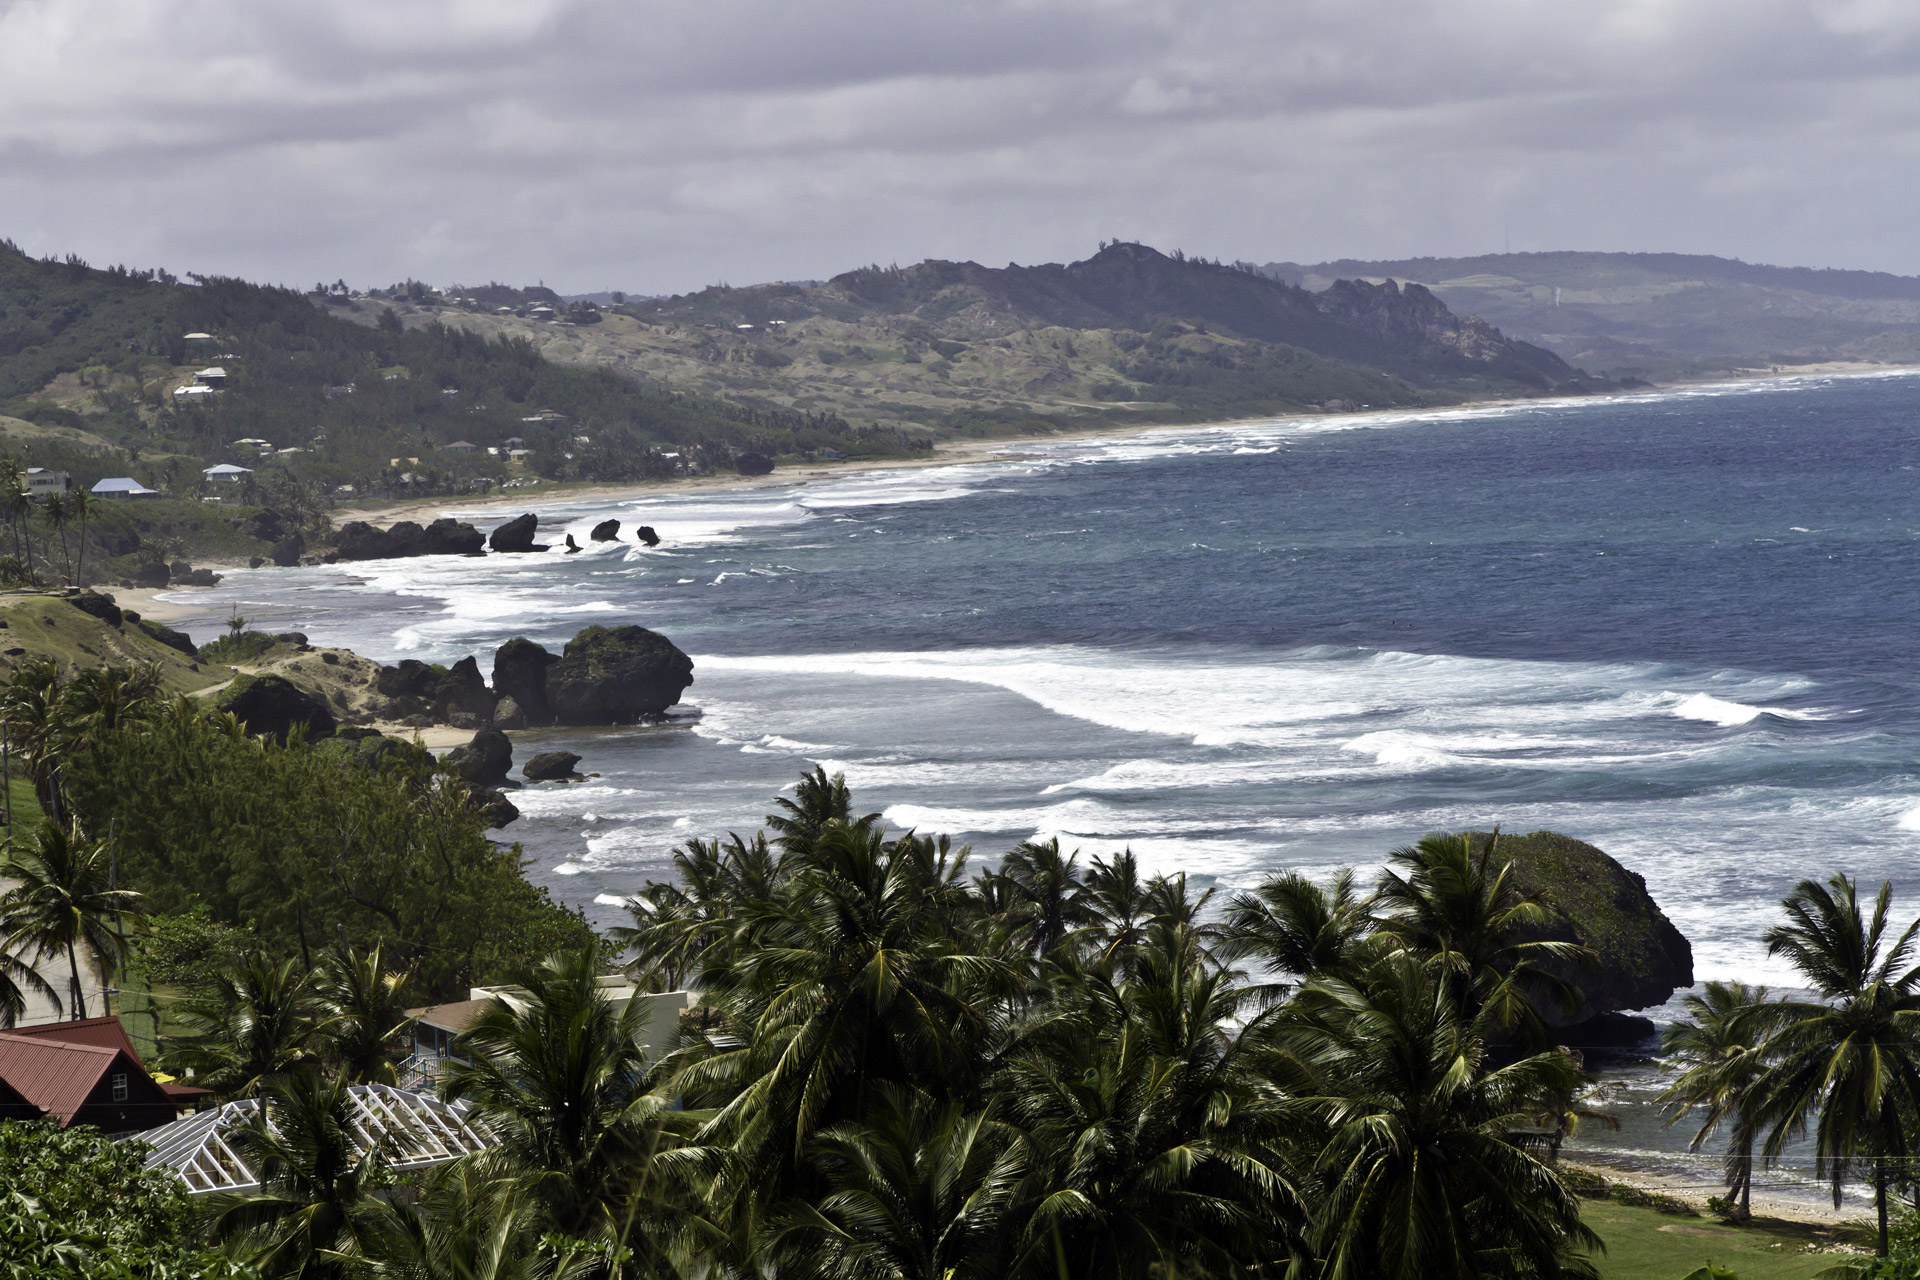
(1643, 1244)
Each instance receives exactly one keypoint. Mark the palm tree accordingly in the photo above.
(317, 1204)
(560, 1075)
(1452, 901)
(1419, 1174)
(30, 704)
(256, 1021)
(468, 1223)
(1849, 1063)
(817, 801)
(675, 925)
(1723, 1060)
(1044, 895)
(914, 1191)
(64, 900)
(365, 1012)
(17, 980)
(1118, 898)
(1299, 927)
(79, 507)
(55, 514)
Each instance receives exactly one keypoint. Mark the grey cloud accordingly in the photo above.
(653, 146)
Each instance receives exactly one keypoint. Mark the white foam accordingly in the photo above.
(1910, 820)
(1704, 706)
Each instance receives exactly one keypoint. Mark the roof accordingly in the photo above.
(227, 469)
(452, 1016)
(102, 1033)
(415, 1130)
(198, 337)
(121, 484)
(54, 1077)
(211, 371)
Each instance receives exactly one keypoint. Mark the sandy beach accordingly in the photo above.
(959, 452)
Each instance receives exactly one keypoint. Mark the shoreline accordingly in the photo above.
(963, 452)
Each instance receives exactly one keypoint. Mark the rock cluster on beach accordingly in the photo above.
(359, 540)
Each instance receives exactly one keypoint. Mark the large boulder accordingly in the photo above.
(1639, 958)
(449, 537)
(753, 464)
(99, 606)
(151, 574)
(515, 535)
(406, 538)
(287, 552)
(461, 696)
(606, 531)
(268, 704)
(646, 534)
(494, 807)
(168, 636)
(483, 762)
(551, 766)
(520, 669)
(409, 678)
(615, 675)
(508, 715)
(358, 540)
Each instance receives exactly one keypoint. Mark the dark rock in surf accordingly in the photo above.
(520, 673)
(551, 766)
(646, 534)
(483, 762)
(1640, 959)
(288, 550)
(358, 540)
(573, 548)
(449, 537)
(406, 538)
(605, 531)
(516, 535)
(616, 675)
(494, 807)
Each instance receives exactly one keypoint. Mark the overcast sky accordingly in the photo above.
(657, 147)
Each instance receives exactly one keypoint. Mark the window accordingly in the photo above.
(119, 1081)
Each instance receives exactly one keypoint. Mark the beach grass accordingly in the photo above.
(1644, 1244)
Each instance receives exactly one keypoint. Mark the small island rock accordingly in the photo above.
(606, 531)
(516, 535)
(551, 766)
(449, 537)
(483, 762)
(646, 534)
(615, 675)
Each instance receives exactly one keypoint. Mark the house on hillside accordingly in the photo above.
(85, 1072)
(459, 446)
(227, 473)
(189, 395)
(211, 376)
(42, 483)
(197, 337)
(123, 487)
(437, 1027)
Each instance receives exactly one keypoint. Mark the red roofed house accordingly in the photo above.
(84, 1072)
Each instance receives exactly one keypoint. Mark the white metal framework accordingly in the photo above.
(412, 1131)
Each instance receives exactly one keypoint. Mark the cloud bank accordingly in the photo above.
(661, 147)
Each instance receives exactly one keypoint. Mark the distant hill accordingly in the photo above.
(1661, 314)
(93, 358)
(1127, 333)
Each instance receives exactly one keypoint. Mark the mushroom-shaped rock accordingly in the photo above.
(461, 696)
(520, 673)
(449, 537)
(515, 535)
(551, 766)
(272, 705)
(646, 534)
(605, 531)
(356, 540)
(484, 761)
(1639, 958)
(615, 675)
(573, 548)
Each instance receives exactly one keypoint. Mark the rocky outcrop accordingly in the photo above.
(573, 548)
(520, 670)
(287, 552)
(461, 696)
(358, 540)
(1640, 959)
(753, 464)
(616, 675)
(168, 636)
(483, 762)
(646, 534)
(516, 535)
(494, 807)
(507, 714)
(551, 766)
(268, 704)
(97, 605)
(449, 537)
(152, 574)
(605, 531)
(374, 750)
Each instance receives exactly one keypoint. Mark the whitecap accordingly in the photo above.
(1910, 820)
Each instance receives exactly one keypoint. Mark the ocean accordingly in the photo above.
(1680, 625)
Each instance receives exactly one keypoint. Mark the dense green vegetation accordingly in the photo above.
(304, 846)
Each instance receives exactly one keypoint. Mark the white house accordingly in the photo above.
(211, 376)
(42, 482)
(123, 487)
(227, 473)
(193, 393)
